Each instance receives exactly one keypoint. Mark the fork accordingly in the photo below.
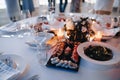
(34, 77)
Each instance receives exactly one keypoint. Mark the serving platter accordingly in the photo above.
(67, 59)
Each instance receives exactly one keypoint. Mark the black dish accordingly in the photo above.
(65, 60)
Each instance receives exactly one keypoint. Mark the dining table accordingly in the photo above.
(16, 45)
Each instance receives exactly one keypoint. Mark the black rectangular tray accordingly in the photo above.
(49, 64)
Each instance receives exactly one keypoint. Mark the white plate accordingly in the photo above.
(48, 35)
(114, 60)
(110, 32)
(9, 27)
(19, 61)
(33, 44)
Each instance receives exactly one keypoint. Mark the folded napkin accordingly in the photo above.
(110, 32)
(7, 72)
(105, 31)
(4, 33)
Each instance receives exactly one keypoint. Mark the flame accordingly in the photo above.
(60, 33)
(91, 38)
(93, 23)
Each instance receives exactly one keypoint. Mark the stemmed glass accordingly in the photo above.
(41, 49)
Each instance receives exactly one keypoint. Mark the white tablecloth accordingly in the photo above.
(17, 46)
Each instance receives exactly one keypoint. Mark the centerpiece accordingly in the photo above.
(65, 53)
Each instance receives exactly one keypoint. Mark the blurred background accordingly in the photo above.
(41, 6)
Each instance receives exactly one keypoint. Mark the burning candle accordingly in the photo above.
(93, 23)
(60, 33)
(93, 26)
(98, 36)
(91, 38)
(66, 35)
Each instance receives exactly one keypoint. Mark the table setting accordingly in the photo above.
(11, 66)
(76, 45)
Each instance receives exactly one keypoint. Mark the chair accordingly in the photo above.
(103, 7)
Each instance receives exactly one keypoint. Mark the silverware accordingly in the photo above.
(8, 60)
(34, 77)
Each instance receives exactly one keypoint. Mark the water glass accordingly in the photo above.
(42, 55)
(41, 49)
